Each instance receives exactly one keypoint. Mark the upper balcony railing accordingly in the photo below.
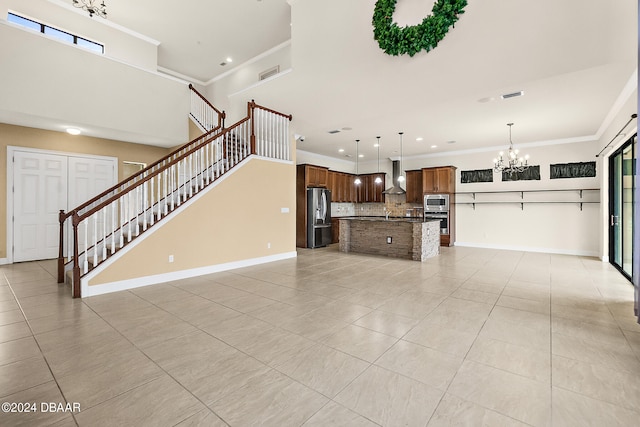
(202, 112)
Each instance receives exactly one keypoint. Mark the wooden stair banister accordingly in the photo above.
(159, 189)
(221, 114)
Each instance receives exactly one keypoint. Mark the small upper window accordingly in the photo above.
(54, 32)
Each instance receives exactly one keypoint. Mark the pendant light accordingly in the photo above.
(378, 179)
(357, 180)
(401, 176)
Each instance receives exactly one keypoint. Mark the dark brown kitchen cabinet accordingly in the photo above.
(314, 176)
(368, 191)
(439, 180)
(342, 184)
(414, 186)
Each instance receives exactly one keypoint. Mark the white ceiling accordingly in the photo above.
(572, 58)
(196, 36)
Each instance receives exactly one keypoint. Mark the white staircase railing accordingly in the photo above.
(110, 221)
(204, 114)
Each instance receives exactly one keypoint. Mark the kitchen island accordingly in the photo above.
(410, 238)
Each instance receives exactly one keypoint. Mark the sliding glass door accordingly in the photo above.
(621, 193)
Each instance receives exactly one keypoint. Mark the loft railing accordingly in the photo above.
(206, 115)
(106, 223)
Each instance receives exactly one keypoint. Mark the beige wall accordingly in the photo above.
(234, 221)
(19, 136)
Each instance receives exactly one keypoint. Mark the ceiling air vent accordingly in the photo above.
(512, 95)
(269, 73)
(334, 131)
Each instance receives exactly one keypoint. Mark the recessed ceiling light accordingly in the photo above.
(419, 138)
(341, 150)
(361, 155)
(376, 145)
(229, 59)
(73, 131)
(434, 146)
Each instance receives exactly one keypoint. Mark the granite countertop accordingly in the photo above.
(381, 218)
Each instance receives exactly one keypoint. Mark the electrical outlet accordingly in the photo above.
(269, 245)
(170, 258)
(389, 240)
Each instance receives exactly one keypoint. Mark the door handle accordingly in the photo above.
(614, 220)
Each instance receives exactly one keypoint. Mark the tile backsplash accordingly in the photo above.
(396, 205)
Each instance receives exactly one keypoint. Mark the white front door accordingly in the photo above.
(39, 193)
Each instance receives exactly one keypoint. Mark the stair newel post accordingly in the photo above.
(61, 218)
(251, 108)
(75, 220)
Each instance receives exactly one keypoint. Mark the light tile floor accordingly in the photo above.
(473, 337)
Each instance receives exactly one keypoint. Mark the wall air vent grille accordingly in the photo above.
(269, 73)
(512, 95)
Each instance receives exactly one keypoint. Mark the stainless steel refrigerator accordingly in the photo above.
(318, 217)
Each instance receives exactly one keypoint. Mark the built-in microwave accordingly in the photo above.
(436, 203)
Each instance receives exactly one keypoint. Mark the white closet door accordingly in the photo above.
(89, 177)
(39, 193)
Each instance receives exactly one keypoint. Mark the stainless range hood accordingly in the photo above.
(395, 189)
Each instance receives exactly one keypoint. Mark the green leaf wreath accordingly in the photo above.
(412, 39)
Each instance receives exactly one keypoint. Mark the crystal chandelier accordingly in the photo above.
(512, 163)
(92, 8)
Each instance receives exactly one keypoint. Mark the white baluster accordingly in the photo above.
(136, 210)
(270, 137)
(144, 205)
(279, 147)
(86, 246)
(104, 233)
(152, 216)
(113, 226)
(129, 216)
(206, 164)
(121, 202)
(95, 238)
(191, 175)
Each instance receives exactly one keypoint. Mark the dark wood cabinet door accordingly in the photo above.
(446, 180)
(439, 180)
(414, 186)
(429, 181)
(378, 197)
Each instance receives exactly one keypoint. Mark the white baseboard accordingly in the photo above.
(105, 288)
(557, 251)
(4, 261)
